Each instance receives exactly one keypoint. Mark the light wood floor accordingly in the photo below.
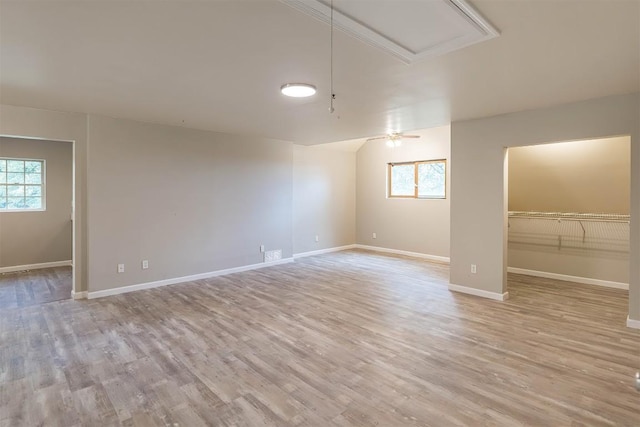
(342, 339)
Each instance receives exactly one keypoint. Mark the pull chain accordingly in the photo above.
(333, 95)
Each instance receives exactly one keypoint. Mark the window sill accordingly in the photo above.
(21, 210)
(414, 198)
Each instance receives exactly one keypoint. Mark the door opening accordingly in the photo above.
(37, 233)
(569, 211)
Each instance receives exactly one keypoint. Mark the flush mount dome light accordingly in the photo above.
(298, 90)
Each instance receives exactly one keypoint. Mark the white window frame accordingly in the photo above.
(415, 177)
(43, 186)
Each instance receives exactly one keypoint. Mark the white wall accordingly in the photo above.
(478, 208)
(324, 198)
(414, 225)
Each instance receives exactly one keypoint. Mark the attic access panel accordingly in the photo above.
(409, 30)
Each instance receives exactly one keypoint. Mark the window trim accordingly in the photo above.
(415, 177)
(43, 185)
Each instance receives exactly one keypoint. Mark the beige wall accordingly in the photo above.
(188, 201)
(478, 208)
(324, 198)
(53, 125)
(580, 176)
(42, 236)
(414, 225)
(599, 265)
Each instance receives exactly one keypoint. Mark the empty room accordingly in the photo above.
(319, 213)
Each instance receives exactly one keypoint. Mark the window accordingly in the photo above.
(21, 185)
(418, 180)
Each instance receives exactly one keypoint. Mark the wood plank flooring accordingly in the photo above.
(24, 288)
(344, 339)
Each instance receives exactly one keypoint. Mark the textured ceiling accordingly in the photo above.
(218, 65)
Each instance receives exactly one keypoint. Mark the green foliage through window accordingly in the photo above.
(420, 180)
(21, 184)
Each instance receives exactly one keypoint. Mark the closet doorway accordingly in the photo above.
(569, 211)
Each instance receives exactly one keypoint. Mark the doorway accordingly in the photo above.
(569, 211)
(36, 220)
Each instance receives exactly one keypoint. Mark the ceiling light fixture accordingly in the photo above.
(298, 90)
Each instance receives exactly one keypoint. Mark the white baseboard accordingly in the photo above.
(631, 323)
(165, 282)
(479, 292)
(324, 251)
(11, 269)
(79, 295)
(577, 279)
(436, 258)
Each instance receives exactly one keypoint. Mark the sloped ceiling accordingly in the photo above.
(218, 65)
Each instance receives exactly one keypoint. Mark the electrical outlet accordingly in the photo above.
(120, 268)
(375, 236)
(145, 264)
(473, 269)
(317, 238)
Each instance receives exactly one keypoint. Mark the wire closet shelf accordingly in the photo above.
(564, 230)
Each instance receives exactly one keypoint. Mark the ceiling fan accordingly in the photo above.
(393, 139)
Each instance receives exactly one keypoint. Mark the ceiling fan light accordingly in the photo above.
(394, 142)
(298, 90)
